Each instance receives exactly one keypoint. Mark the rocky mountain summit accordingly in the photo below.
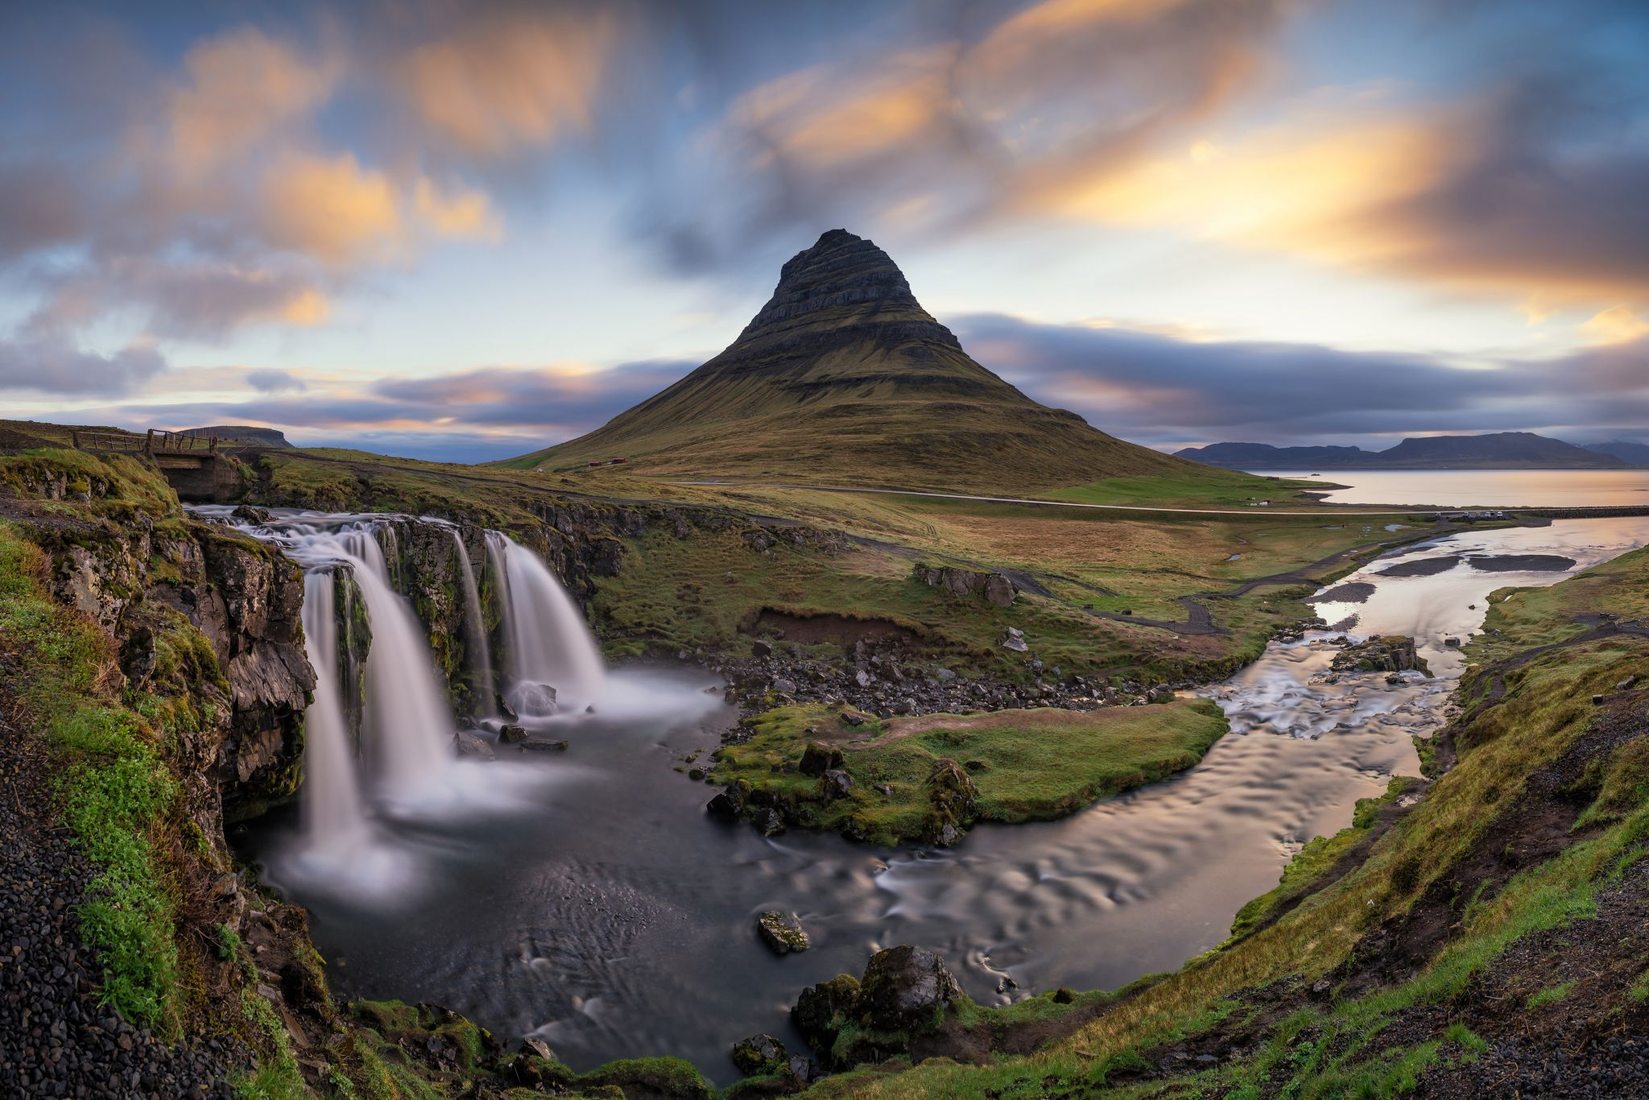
(842, 377)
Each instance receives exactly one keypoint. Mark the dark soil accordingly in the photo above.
(55, 1037)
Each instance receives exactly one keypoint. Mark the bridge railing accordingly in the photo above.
(153, 442)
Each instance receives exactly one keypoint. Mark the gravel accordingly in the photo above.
(55, 1038)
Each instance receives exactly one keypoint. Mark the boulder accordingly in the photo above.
(541, 744)
(818, 759)
(1392, 653)
(468, 744)
(760, 1055)
(512, 734)
(995, 588)
(1015, 642)
(836, 783)
(783, 932)
(904, 995)
(761, 647)
(823, 1010)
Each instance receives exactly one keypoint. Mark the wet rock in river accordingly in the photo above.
(1392, 653)
(760, 1055)
(512, 734)
(468, 744)
(783, 932)
(904, 995)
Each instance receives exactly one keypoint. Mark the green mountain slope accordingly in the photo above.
(844, 378)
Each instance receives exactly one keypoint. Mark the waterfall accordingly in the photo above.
(548, 643)
(476, 652)
(406, 708)
(333, 814)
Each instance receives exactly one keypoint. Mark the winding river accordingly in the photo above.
(596, 905)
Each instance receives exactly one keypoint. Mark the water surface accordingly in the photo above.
(1484, 488)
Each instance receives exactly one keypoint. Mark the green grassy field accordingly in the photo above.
(1028, 765)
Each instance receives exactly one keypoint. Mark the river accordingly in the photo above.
(599, 907)
(1483, 488)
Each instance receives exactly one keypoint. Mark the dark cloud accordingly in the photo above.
(275, 381)
(1157, 389)
(49, 365)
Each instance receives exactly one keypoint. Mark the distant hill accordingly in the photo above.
(843, 377)
(1633, 454)
(241, 433)
(1497, 450)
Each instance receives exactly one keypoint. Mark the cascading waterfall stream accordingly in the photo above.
(333, 812)
(547, 641)
(477, 652)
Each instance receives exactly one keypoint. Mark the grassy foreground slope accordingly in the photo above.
(1494, 934)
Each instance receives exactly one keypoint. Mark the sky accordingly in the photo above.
(469, 230)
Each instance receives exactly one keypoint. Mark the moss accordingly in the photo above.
(1023, 765)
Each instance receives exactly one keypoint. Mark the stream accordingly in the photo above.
(587, 898)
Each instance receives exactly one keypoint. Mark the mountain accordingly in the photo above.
(1497, 450)
(843, 377)
(1633, 454)
(241, 433)
(1263, 456)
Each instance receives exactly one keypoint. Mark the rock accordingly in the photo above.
(783, 932)
(784, 686)
(541, 744)
(906, 989)
(1627, 684)
(532, 1044)
(760, 1055)
(248, 513)
(818, 759)
(943, 675)
(468, 744)
(837, 783)
(724, 805)
(996, 588)
(823, 1010)
(512, 734)
(761, 647)
(1452, 643)
(1392, 653)
(1015, 643)
(769, 822)
(953, 802)
(863, 678)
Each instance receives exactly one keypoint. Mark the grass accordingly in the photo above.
(1027, 765)
(1199, 487)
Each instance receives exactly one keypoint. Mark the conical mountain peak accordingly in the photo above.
(843, 377)
(842, 280)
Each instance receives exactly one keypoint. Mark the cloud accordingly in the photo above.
(333, 210)
(275, 381)
(967, 125)
(501, 83)
(56, 367)
(1160, 389)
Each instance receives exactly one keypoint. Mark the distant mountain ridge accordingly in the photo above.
(1633, 454)
(1496, 450)
(843, 377)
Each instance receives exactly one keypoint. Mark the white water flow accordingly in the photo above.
(548, 643)
(333, 813)
(411, 725)
(476, 651)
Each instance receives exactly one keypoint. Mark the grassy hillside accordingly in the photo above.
(1492, 933)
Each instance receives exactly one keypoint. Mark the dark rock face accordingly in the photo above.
(818, 759)
(842, 277)
(996, 588)
(904, 996)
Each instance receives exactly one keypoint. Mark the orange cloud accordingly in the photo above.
(333, 209)
(238, 89)
(464, 213)
(509, 83)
